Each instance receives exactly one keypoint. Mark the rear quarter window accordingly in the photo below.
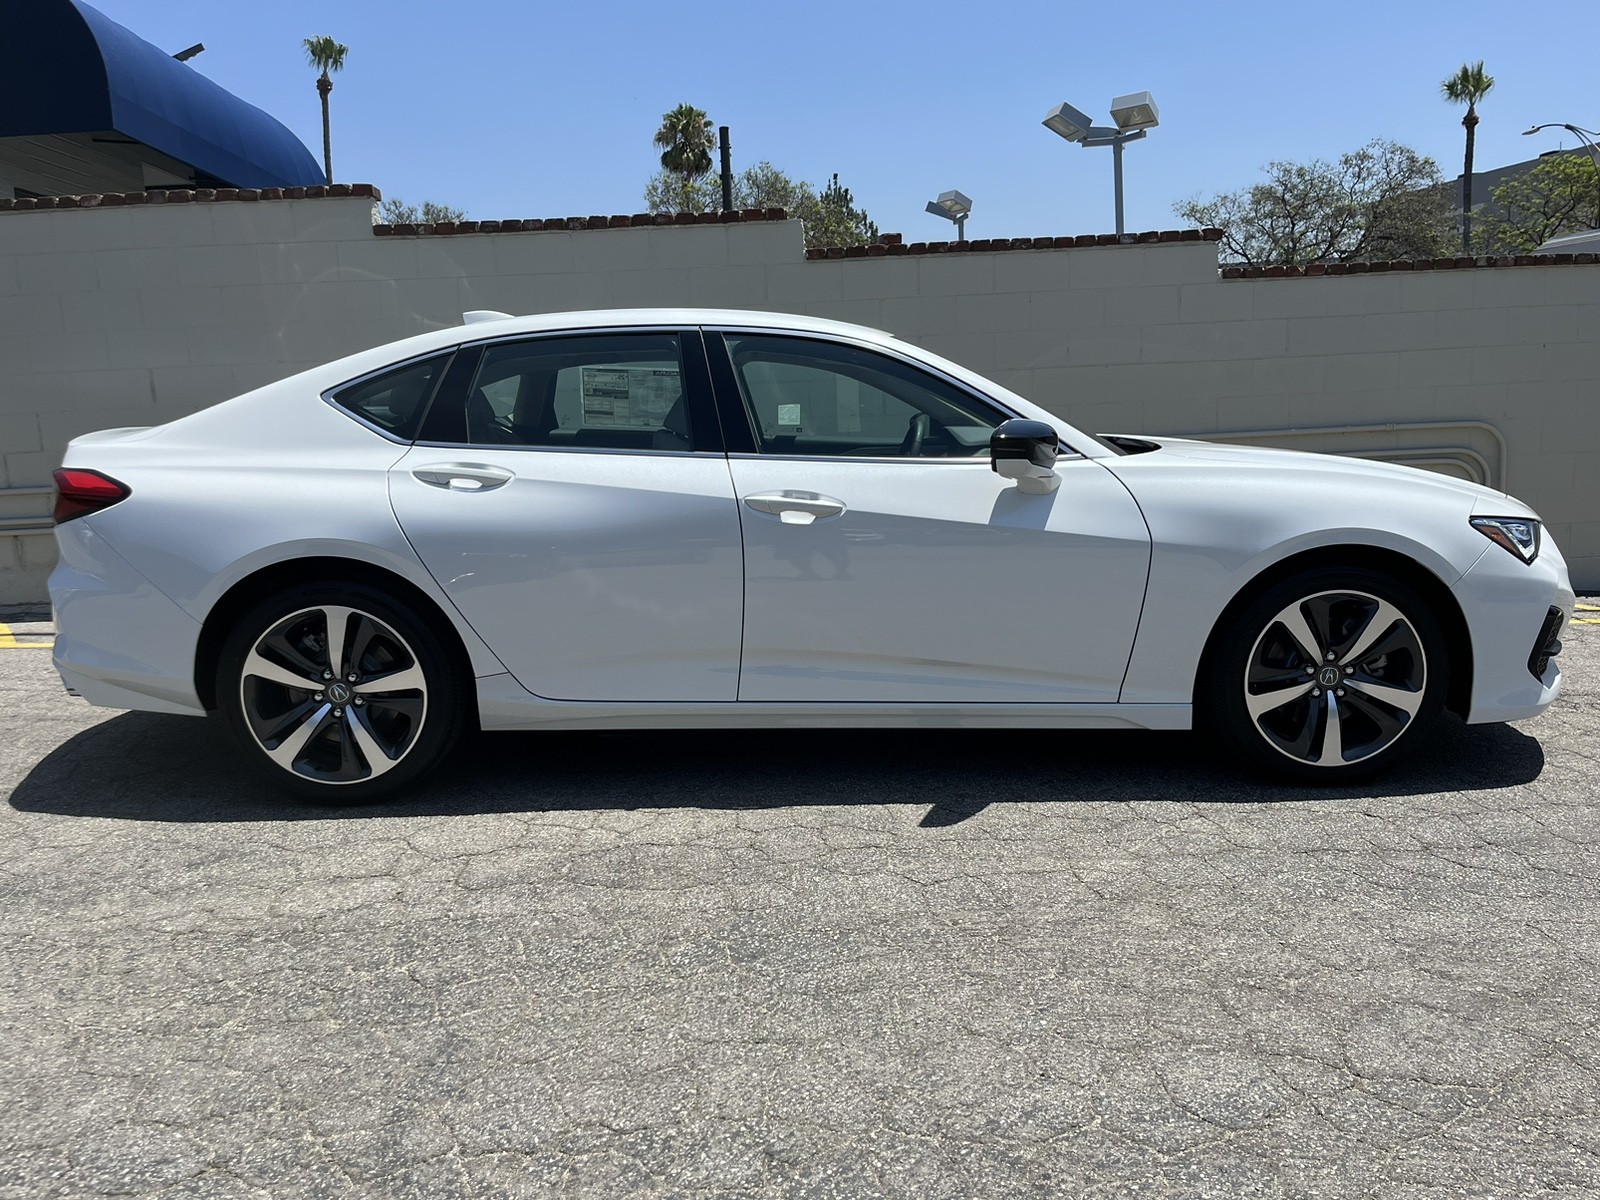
(395, 400)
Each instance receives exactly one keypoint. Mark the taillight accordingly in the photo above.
(79, 491)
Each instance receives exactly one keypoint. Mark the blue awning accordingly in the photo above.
(65, 67)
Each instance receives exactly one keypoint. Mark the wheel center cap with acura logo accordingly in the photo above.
(339, 693)
(1327, 677)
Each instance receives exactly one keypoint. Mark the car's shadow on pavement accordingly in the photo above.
(154, 768)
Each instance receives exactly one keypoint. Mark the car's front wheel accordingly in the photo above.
(1328, 676)
(339, 692)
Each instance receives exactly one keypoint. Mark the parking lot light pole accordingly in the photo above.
(1586, 136)
(1116, 140)
(1134, 115)
(953, 206)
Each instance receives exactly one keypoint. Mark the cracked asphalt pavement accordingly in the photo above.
(916, 964)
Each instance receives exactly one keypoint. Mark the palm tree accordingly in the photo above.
(1468, 86)
(686, 142)
(326, 55)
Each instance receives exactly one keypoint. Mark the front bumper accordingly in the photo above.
(1506, 603)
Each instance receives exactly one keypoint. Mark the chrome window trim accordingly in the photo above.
(480, 447)
(1067, 452)
(364, 422)
(983, 459)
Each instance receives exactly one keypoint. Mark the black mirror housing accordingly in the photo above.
(1026, 451)
(1032, 441)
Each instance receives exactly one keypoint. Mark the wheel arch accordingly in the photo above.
(1434, 591)
(247, 591)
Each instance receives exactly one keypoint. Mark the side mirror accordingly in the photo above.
(1026, 451)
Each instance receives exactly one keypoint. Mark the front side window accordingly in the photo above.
(827, 399)
(395, 400)
(606, 391)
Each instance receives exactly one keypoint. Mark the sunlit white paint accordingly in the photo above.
(616, 589)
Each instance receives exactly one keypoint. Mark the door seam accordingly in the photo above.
(744, 578)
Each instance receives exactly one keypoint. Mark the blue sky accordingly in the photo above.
(534, 109)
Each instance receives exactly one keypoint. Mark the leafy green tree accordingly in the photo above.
(396, 211)
(669, 193)
(327, 56)
(764, 186)
(835, 220)
(830, 219)
(686, 142)
(1383, 201)
(1468, 86)
(760, 186)
(1559, 194)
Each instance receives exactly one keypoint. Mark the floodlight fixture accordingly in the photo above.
(1135, 111)
(186, 55)
(1134, 114)
(953, 206)
(1067, 121)
(1587, 136)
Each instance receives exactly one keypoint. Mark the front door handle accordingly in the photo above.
(796, 508)
(463, 477)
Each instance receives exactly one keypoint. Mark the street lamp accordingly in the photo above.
(1586, 136)
(1134, 114)
(952, 206)
(186, 55)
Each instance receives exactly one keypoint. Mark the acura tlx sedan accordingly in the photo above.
(682, 518)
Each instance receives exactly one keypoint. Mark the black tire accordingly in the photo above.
(1368, 696)
(355, 740)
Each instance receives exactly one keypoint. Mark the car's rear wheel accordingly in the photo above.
(339, 692)
(1329, 676)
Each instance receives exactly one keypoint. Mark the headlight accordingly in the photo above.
(1519, 535)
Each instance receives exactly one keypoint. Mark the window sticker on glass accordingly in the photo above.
(788, 416)
(629, 397)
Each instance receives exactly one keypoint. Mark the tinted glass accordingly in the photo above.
(609, 391)
(822, 398)
(396, 400)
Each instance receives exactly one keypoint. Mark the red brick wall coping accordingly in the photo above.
(212, 195)
(190, 195)
(1462, 263)
(886, 247)
(548, 224)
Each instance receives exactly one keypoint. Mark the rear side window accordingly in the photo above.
(624, 391)
(396, 400)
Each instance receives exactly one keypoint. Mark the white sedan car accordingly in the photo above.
(682, 518)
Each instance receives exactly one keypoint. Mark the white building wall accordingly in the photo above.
(137, 315)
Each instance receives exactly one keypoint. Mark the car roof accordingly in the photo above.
(485, 328)
(610, 317)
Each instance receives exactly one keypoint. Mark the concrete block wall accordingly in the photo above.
(136, 315)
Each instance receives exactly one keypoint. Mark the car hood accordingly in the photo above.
(1229, 456)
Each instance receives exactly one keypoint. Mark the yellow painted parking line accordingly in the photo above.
(1585, 621)
(1587, 607)
(8, 641)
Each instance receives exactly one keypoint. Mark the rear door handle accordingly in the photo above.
(796, 508)
(463, 477)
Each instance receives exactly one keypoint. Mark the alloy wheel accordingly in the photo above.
(333, 694)
(1335, 678)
